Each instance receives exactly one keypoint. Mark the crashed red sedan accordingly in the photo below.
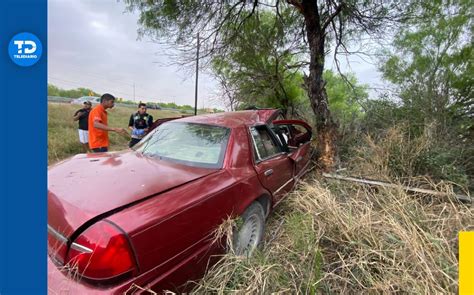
(146, 217)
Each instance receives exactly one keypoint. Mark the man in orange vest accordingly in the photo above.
(98, 128)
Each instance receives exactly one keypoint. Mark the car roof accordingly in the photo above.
(234, 119)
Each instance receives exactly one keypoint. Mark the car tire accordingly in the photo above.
(249, 233)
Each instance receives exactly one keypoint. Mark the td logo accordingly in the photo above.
(25, 49)
(30, 50)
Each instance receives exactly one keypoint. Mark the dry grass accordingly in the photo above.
(289, 261)
(336, 238)
(63, 140)
(397, 156)
(339, 237)
(395, 153)
(224, 233)
(386, 241)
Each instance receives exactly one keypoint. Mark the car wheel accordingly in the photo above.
(249, 232)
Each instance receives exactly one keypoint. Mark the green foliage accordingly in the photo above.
(431, 64)
(257, 67)
(53, 90)
(71, 93)
(447, 162)
(343, 97)
(172, 105)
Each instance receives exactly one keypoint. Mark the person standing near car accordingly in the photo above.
(98, 125)
(139, 123)
(82, 116)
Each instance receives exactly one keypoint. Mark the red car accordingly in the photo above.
(146, 217)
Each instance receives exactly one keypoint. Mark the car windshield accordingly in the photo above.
(190, 144)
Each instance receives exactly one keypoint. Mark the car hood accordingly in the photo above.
(86, 186)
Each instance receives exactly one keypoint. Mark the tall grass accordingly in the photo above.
(63, 140)
(329, 237)
(334, 237)
(397, 155)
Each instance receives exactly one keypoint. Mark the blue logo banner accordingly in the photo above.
(23, 153)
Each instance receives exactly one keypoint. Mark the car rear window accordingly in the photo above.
(188, 143)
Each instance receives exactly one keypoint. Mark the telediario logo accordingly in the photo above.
(25, 49)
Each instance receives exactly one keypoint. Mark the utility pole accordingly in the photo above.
(197, 71)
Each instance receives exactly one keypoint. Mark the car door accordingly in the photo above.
(298, 135)
(272, 163)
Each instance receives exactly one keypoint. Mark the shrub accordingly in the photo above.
(396, 154)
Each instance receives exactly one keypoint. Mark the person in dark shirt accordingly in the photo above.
(139, 123)
(82, 116)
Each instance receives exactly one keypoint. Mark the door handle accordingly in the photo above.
(268, 172)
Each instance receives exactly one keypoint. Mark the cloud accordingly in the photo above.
(97, 25)
(94, 44)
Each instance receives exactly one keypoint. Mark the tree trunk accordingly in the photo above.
(325, 127)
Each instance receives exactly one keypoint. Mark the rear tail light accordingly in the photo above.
(101, 252)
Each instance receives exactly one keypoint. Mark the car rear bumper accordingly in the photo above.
(60, 283)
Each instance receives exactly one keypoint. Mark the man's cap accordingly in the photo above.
(88, 102)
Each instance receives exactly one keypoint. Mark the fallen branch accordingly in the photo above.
(461, 198)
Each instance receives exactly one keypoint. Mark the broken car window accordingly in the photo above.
(264, 144)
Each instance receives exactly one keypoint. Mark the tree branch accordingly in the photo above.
(332, 16)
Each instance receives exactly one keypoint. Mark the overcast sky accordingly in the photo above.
(93, 44)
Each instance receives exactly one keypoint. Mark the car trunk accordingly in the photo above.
(87, 188)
